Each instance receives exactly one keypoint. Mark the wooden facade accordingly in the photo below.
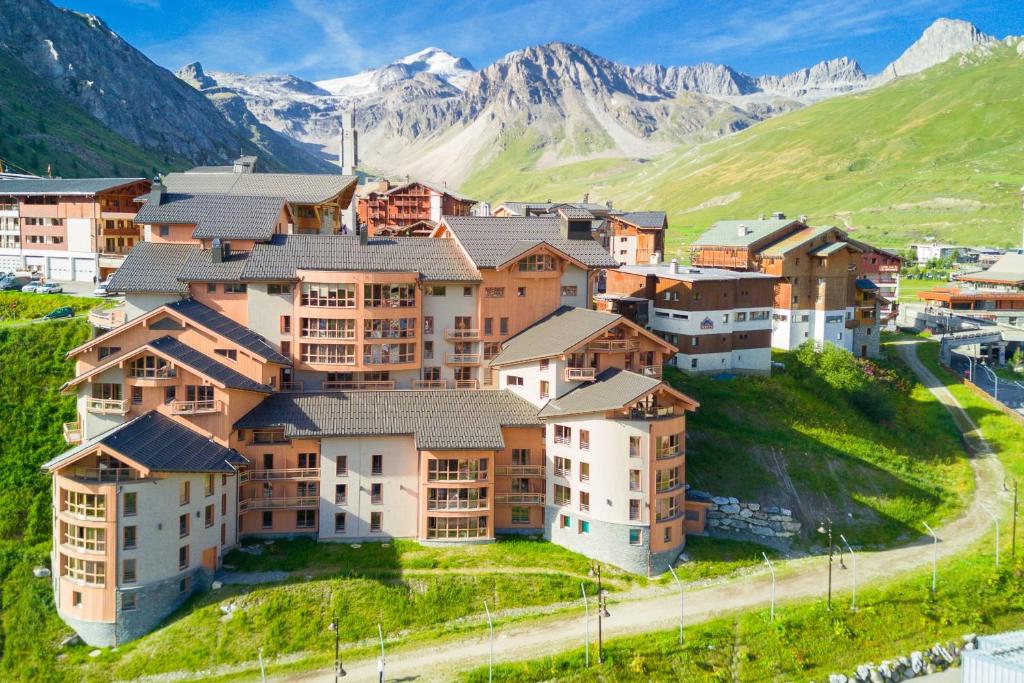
(396, 210)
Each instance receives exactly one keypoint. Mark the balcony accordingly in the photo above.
(107, 318)
(460, 476)
(613, 345)
(651, 371)
(105, 475)
(73, 433)
(358, 385)
(462, 335)
(280, 503)
(668, 452)
(465, 384)
(165, 372)
(276, 474)
(520, 470)
(564, 472)
(291, 386)
(519, 498)
(457, 505)
(462, 358)
(429, 384)
(580, 374)
(641, 413)
(107, 406)
(195, 407)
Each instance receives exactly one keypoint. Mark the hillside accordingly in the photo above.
(938, 154)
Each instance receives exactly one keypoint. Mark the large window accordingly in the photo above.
(86, 571)
(451, 469)
(536, 263)
(456, 499)
(328, 328)
(330, 354)
(85, 538)
(150, 366)
(563, 434)
(382, 354)
(665, 480)
(520, 515)
(667, 508)
(305, 519)
(393, 328)
(563, 495)
(668, 446)
(329, 295)
(457, 527)
(389, 296)
(92, 505)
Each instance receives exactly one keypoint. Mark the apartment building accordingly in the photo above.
(882, 267)
(408, 209)
(68, 229)
(719, 320)
(819, 297)
(637, 237)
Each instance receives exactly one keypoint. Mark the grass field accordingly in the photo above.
(927, 155)
(18, 307)
(910, 288)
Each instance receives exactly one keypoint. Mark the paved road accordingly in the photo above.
(1011, 394)
(799, 579)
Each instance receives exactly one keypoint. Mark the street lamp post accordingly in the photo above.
(680, 585)
(602, 612)
(490, 656)
(996, 520)
(380, 663)
(935, 555)
(995, 381)
(853, 562)
(826, 528)
(339, 671)
(772, 570)
(586, 611)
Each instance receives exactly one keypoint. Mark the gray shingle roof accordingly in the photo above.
(493, 240)
(210, 367)
(520, 208)
(1008, 269)
(435, 259)
(298, 188)
(726, 233)
(435, 188)
(216, 215)
(438, 420)
(152, 267)
(200, 267)
(554, 334)
(162, 445)
(575, 213)
(612, 389)
(652, 220)
(228, 328)
(61, 186)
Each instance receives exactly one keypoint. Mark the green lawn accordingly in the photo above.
(910, 288)
(18, 307)
(875, 452)
(710, 558)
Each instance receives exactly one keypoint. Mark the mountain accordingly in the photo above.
(939, 42)
(81, 59)
(935, 154)
(455, 71)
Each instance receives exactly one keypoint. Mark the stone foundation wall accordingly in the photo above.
(729, 516)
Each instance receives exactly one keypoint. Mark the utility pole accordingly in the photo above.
(490, 656)
(772, 570)
(680, 585)
(380, 664)
(826, 528)
(935, 555)
(339, 671)
(853, 562)
(586, 611)
(602, 612)
(996, 520)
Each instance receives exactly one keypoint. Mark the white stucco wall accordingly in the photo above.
(80, 231)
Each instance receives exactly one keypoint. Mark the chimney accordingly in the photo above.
(673, 267)
(762, 217)
(563, 225)
(349, 152)
(803, 218)
(364, 236)
(778, 215)
(586, 198)
(608, 204)
(156, 192)
(216, 251)
(741, 230)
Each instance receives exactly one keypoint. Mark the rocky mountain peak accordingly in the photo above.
(194, 75)
(940, 41)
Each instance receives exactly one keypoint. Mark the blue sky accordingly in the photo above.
(319, 39)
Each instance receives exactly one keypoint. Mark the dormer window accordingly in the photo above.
(536, 263)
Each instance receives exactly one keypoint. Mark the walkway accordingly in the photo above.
(801, 579)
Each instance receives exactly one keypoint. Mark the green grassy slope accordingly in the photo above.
(39, 126)
(938, 153)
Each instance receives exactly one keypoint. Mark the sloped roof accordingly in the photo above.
(152, 267)
(61, 186)
(521, 208)
(489, 240)
(200, 267)
(554, 334)
(228, 328)
(864, 283)
(226, 216)
(435, 188)
(826, 250)
(649, 220)
(160, 444)
(611, 389)
(298, 188)
(438, 420)
(435, 259)
(794, 240)
(575, 213)
(209, 367)
(1009, 269)
(726, 233)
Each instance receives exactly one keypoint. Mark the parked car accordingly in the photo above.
(62, 312)
(14, 283)
(101, 289)
(32, 286)
(49, 288)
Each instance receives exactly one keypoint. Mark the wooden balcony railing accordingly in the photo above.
(462, 358)
(580, 374)
(613, 345)
(651, 371)
(465, 384)
(519, 470)
(107, 406)
(462, 335)
(430, 384)
(279, 503)
(73, 433)
(358, 385)
(283, 473)
(195, 407)
(519, 498)
(165, 372)
(105, 474)
(291, 386)
(107, 318)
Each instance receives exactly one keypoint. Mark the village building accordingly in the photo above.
(408, 209)
(996, 294)
(636, 238)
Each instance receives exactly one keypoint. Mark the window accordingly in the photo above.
(725, 317)
(128, 602)
(584, 439)
(467, 291)
(136, 395)
(183, 521)
(563, 467)
(184, 492)
(494, 292)
(536, 263)
(377, 494)
(183, 557)
(564, 522)
(184, 584)
(584, 471)
(268, 519)
(584, 501)
(376, 521)
(389, 328)
(668, 534)
(340, 494)
(286, 324)
(635, 537)
(209, 481)
(307, 461)
(741, 317)
(666, 480)
(491, 350)
(389, 296)
(569, 290)
(435, 290)
(286, 350)
(307, 489)
(331, 354)
(211, 287)
(520, 515)
(165, 231)
(503, 326)
(76, 599)
(545, 363)
(513, 381)
(428, 324)
(335, 295)
(635, 480)
(208, 513)
(170, 393)
(545, 388)
(341, 466)
(128, 535)
(234, 288)
(563, 495)
(279, 288)
(693, 362)
(86, 504)
(634, 510)
(223, 504)
(105, 351)
(583, 527)
(520, 456)
(563, 434)
(759, 315)
(428, 350)
(383, 354)
(86, 571)
(634, 446)
(520, 291)
(223, 534)
(128, 571)
(377, 464)
(230, 354)
(488, 326)
(339, 522)
(305, 519)
(130, 504)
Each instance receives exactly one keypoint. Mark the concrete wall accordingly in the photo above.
(444, 309)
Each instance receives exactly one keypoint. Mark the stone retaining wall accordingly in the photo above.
(730, 516)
